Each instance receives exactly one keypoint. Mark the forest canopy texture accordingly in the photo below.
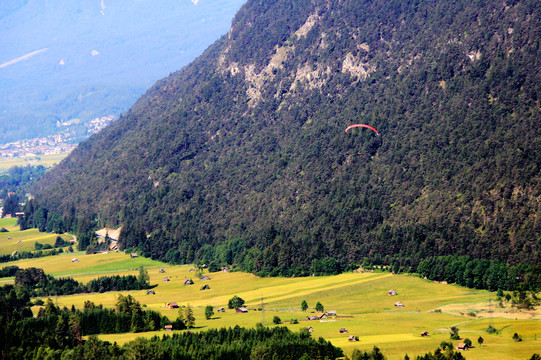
(241, 157)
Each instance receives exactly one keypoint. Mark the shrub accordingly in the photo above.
(491, 330)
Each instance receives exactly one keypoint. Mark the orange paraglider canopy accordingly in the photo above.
(362, 125)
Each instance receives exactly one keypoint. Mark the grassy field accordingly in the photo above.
(16, 240)
(45, 160)
(360, 299)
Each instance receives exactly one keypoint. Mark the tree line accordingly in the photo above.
(480, 273)
(38, 283)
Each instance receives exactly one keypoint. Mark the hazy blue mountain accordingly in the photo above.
(82, 59)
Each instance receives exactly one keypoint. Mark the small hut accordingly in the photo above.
(205, 278)
(205, 287)
(399, 304)
(74, 260)
(161, 271)
(310, 329)
(343, 331)
(151, 292)
(241, 310)
(172, 305)
(352, 338)
(133, 255)
(462, 347)
(331, 312)
(166, 279)
(392, 292)
(168, 327)
(188, 282)
(222, 309)
(425, 333)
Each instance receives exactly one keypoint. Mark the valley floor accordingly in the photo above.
(360, 300)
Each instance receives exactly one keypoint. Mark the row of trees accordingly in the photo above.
(29, 255)
(480, 273)
(38, 283)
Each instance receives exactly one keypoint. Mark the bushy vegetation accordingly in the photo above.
(212, 165)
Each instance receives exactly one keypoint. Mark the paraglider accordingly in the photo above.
(362, 125)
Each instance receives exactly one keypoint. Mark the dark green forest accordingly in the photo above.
(37, 283)
(241, 157)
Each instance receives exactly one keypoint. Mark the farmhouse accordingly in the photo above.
(168, 327)
(172, 305)
(399, 304)
(312, 317)
(462, 347)
(242, 310)
(392, 292)
(343, 331)
(331, 312)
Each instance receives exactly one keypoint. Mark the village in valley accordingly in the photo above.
(69, 135)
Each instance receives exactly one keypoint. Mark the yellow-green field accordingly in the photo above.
(45, 160)
(16, 240)
(360, 299)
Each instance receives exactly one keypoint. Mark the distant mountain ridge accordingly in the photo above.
(242, 157)
(87, 59)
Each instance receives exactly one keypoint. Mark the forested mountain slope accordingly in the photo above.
(248, 142)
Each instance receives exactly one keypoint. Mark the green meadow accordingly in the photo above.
(45, 160)
(360, 299)
(16, 240)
